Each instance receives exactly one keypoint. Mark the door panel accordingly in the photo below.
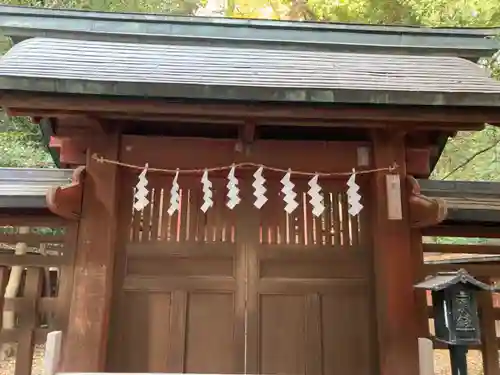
(182, 287)
(309, 297)
(245, 289)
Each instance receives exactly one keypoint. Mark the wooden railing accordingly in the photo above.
(36, 274)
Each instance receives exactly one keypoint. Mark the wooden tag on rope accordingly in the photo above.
(394, 205)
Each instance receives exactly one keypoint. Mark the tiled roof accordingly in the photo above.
(231, 73)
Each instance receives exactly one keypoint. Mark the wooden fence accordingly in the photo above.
(36, 276)
(477, 253)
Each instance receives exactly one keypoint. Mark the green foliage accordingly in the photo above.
(468, 156)
(21, 144)
(452, 13)
(17, 151)
(177, 7)
(459, 240)
(471, 156)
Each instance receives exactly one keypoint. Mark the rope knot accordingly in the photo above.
(98, 158)
(393, 167)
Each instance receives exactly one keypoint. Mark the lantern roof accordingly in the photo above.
(445, 280)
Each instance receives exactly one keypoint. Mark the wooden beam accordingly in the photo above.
(496, 310)
(79, 125)
(462, 231)
(461, 249)
(85, 344)
(33, 104)
(485, 269)
(247, 137)
(55, 142)
(72, 150)
(172, 153)
(418, 162)
(259, 118)
(424, 211)
(397, 313)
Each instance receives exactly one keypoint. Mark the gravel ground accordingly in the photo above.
(7, 367)
(441, 363)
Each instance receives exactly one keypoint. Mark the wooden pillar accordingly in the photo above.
(418, 276)
(397, 316)
(488, 332)
(84, 345)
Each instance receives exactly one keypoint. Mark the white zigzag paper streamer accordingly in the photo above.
(141, 194)
(259, 188)
(353, 197)
(175, 200)
(316, 197)
(232, 190)
(207, 192)
(290, 195)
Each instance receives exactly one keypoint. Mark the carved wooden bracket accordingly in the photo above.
(72, 151)
(424, 211)
(66, 201)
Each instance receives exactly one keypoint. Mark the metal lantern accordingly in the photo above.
(456, 317)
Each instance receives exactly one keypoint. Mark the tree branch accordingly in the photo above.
(472, 157)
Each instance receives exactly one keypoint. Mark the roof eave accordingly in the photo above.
(468, 201)
(222, 93)
(25, 188)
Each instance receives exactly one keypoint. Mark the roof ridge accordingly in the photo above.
(26, 22)
(227, 21)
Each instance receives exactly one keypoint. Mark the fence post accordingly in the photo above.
(52, 352)
(426, 356)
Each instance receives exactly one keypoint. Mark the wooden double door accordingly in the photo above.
(243, 290)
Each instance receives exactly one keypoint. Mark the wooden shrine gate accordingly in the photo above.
(244, 290)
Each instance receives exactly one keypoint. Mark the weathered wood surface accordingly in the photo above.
(297, 280)
(397, 317)
(85, 342)
(378, 117)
